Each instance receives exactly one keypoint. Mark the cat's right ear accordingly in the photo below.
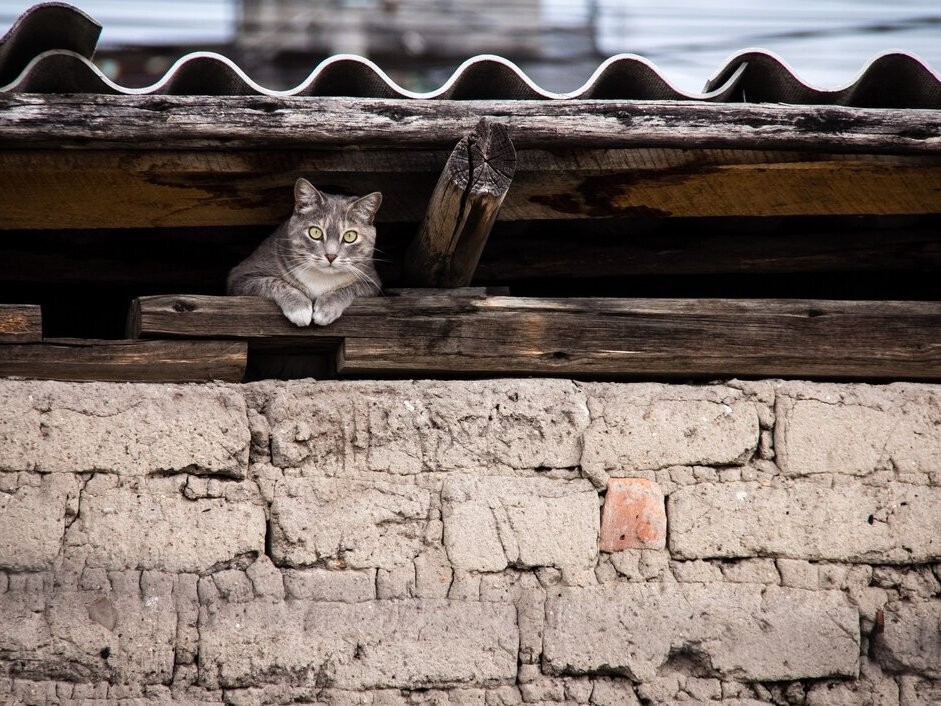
(306, 197)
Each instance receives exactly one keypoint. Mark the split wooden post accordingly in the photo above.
(462, 209)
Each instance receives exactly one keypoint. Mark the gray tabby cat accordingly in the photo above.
(318, 260)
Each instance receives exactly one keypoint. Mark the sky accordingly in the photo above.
(828, 42)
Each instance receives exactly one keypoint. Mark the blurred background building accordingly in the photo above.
(558, 43)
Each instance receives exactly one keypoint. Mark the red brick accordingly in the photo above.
(633, 516)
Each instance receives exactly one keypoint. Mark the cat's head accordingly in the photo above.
(334, 232)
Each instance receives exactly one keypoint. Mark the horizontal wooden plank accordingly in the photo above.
(134, 361)
(819, 187)
(197, 316)
(342, 123)
(442, 335)
(52, 189)
(20, 323)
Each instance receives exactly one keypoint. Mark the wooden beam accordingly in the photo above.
(133, 361)
(462, 209)
(821, 185)
(251, 122)
(247, 318)
(441, 335)
(61, 189)
(20, 323)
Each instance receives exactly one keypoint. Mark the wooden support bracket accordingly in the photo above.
(462, 209)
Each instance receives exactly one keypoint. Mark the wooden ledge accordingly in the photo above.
(120, 361)
(440, 334)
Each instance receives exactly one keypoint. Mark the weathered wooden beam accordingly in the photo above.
(61, 189)
(441, 335)
(250, 122)
(20, 323)
(133, 361)
(462, 209)
(822, 185)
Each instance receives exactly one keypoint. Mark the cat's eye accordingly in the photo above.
(315, 233)
(350, 236)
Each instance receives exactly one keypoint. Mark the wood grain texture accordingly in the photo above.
(462, 209)
(441, 335)
(20, 323)
(259, 121)
(53, 189)
(133, 361)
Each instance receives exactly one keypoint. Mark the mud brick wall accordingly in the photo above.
(489, 543)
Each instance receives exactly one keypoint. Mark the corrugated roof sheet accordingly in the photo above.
(49, 50)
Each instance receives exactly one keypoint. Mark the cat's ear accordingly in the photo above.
(306, 197)
(364, 209)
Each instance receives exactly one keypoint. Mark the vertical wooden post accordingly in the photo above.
(462, 210)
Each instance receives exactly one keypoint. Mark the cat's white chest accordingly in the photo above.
(317, 283)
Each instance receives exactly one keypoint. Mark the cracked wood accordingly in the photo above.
(157, 187)
(415, 335)
(462, 209)
(246, 122)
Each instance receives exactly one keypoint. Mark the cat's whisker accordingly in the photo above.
(362, 276)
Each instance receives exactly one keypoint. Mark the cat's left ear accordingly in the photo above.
(364, 209)
(306, 196)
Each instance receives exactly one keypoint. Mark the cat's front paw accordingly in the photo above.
(299, 315)
(327, 310)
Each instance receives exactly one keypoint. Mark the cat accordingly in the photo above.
(318, 260)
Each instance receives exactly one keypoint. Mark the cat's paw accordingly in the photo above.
(299, 315)
(326, 311)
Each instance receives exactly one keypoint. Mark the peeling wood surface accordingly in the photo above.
(137, 361)
(255, 121)
(442, 335)
(52, 189)
(462, 209)
(19, 323)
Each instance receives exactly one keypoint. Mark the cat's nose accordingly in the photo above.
(330, 258)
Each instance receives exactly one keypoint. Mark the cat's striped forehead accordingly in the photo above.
(334, 211)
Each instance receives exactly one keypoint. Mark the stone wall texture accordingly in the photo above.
(488, 543)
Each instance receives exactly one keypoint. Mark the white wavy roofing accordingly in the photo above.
(49, 50)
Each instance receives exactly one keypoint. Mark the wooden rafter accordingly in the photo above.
(246, 122)
(215, 189)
